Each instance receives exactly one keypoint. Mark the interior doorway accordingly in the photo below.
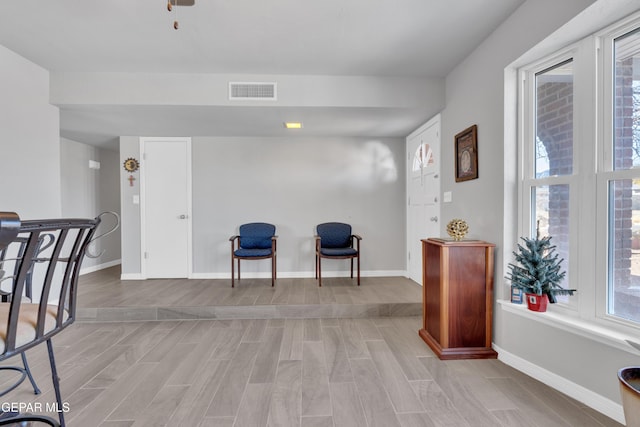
(165, 199)
(423, 192)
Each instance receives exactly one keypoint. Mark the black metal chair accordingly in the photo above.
(44, 242)
(27, 323)
(335, 241)
(19, 420)
(257, 240)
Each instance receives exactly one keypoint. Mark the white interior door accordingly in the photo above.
(166, 207)
(423, 192)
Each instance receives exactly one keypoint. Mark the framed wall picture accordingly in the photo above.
(466, 154)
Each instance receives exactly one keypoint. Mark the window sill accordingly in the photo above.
(590, 330)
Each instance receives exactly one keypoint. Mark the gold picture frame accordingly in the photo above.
(466, 154)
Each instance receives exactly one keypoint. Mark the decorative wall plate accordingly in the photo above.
(131, 165)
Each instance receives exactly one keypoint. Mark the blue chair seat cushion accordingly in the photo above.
(244, 252)
(338, 252)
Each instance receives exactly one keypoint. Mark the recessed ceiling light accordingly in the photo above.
(293, 125)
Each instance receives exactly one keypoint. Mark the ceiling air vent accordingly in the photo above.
(252, 91)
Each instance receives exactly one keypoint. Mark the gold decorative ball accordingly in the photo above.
(457, 229)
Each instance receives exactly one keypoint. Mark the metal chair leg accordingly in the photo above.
(56, 382)
(36, 390)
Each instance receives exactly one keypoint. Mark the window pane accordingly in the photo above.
(551, 213)
(624, 249)
(626, 114)
(422, 158)
(554, 121)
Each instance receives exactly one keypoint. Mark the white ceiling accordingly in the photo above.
(402, 38)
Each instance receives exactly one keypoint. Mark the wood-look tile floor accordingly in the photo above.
(284, 372)
(305, 372)
(105, 289)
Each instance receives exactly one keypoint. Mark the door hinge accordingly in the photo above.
(146, 255)
(409, 256)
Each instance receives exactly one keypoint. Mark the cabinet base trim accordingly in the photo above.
(456, 352)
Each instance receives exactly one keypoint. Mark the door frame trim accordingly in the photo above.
(143, 242)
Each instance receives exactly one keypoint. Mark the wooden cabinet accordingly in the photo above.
(457, 298)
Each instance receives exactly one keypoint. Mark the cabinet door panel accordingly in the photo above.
(467, 308)
(432, 291)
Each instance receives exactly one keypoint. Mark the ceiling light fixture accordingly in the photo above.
(293, 125)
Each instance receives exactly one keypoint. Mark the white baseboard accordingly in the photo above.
(91, 269)
(132, 276)
(282, 275)
(594, 400)
(300, 274)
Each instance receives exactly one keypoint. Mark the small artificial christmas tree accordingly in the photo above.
(539, 271)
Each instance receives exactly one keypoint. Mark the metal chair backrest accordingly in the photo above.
(54, 272)
(8, 263)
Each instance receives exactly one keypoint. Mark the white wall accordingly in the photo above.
(475, 94)
(297, 183)
(86, 193)
(130, 228)
(294, 183)
(74, 88)
(29, 140)
(109, 190)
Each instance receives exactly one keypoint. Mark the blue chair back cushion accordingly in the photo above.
(334, 235)
(256, 235)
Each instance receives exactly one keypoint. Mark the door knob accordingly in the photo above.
(182, 217)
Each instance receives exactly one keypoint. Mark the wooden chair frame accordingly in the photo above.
(320, 255)
(235, 244)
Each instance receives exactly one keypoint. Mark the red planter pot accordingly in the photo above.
(537, 302)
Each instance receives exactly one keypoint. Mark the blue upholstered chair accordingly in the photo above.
(335, 241)
(257, 240)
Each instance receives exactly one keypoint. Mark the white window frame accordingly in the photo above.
(592, 168)
(528, 181)
(606, 171)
